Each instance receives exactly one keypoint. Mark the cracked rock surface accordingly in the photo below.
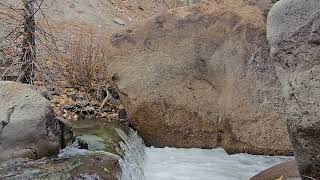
(28, 127)
(294, 35)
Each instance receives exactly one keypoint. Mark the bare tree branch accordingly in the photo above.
(9, 34)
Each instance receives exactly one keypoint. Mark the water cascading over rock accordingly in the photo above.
(133, 156)
(109, 151)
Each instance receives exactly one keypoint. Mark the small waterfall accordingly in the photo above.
(133, 156)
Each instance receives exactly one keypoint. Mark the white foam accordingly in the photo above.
(133, 157)
(200, 164)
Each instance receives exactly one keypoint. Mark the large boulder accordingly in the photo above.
(294, 34)
(201, 76)
(28, 126)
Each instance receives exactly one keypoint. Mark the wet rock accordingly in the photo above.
(201, 76)
(90, 142)
(84, 167)
(28, 126)
(66, 132)
(286, 170)
(92, 155)
(87, 176)
(95, 131)
(293, 32)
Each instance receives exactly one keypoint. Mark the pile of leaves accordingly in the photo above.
(72, 104)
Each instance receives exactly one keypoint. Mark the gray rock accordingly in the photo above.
(90, 142)
(294, 34)
(288, 16)
(90, 166)
(28, 128)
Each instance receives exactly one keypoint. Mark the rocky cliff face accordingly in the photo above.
(201, 77)
(62, 21)
(294, 34)
(104, 15)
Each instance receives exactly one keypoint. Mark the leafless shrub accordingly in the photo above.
(18, 39)
(84, 62)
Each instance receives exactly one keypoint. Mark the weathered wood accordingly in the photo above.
(29, 46)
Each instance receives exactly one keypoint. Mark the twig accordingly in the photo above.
(10, 7)
(309, 177)
(9, 34)
(105, 100)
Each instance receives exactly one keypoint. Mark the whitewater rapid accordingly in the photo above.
(201, 164)
(139, 162)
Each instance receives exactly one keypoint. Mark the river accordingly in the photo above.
(201, 164)
(149, 163)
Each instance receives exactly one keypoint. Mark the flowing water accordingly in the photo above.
(133, 157)
(141, 163)
(200, 164)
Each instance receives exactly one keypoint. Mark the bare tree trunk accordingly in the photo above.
(28, 52)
